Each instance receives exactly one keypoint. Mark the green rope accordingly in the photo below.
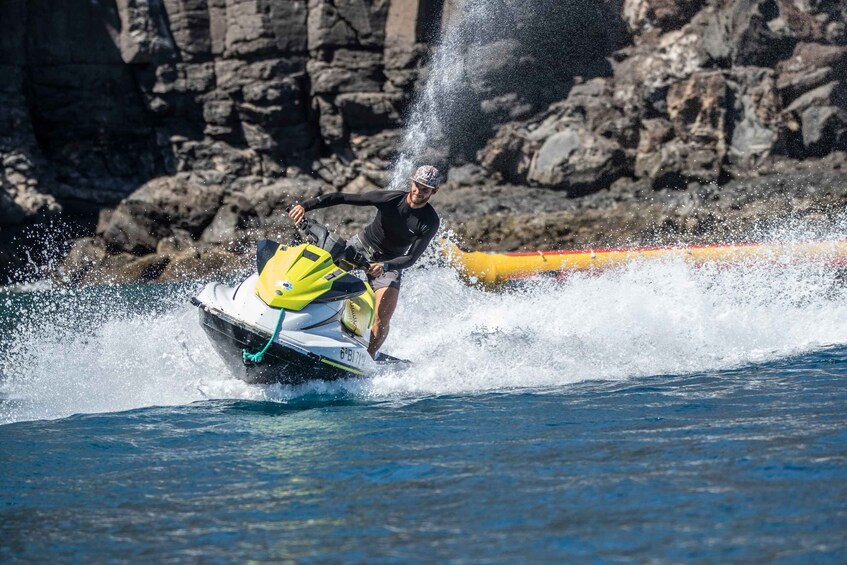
(259, 355)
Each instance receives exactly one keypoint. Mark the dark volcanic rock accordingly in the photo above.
(576, 159)
(188, 126)
(740, 34)
(184, 201)
(755, 125)
(569, 146)
(86, 254)
(701, 96)
(697, 108)
(644, 15)
(824, 128)
(209, 262)
(258, 206)
(811, 65)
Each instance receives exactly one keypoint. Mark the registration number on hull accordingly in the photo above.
(351, 356)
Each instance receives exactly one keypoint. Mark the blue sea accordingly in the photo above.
(657, 413)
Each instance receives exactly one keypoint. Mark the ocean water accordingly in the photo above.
(656, 413)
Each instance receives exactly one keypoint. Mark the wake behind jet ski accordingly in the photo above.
(301, 316)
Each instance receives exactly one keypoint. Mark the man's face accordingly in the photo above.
(420, 194)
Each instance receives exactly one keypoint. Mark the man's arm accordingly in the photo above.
(374, 198)
(414, 253)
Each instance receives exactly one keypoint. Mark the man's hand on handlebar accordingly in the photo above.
(375, 270)
(297, 213)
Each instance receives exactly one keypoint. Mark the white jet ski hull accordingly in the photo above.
(235, 319)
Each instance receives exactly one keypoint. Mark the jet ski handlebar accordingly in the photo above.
(345, 257)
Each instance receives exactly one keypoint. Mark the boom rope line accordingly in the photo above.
(259, 355)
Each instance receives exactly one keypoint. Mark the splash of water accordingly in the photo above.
(497, 61)
(446, 89)
(128, 347)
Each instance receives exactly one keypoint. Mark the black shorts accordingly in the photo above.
(388, 279)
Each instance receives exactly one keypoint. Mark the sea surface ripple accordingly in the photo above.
(655, 413)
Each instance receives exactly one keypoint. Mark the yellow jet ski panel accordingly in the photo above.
(292, 277)
(358, 314)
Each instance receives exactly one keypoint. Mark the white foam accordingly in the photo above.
(66, 357)
(646, 319)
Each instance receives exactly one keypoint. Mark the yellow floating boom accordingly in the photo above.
(493, 268)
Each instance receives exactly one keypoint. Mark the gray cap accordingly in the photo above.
(428, 176)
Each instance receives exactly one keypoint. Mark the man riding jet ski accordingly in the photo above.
(323, 322)
(403, 227)
(301, 316)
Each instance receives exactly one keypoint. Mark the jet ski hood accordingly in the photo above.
(292, 277)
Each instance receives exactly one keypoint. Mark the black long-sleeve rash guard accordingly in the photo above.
(399, 233)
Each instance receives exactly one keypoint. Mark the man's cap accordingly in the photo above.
(428, 176)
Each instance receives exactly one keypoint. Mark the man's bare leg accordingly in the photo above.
(386, 302)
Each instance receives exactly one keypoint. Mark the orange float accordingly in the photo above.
(494, 268)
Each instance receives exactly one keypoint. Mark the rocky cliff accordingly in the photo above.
(175, 132)
(708, 91)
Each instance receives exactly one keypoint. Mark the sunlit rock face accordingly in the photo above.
(137, 112)
(115, 92)
(706, 92)
(100, 98)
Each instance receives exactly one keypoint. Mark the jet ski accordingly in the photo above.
(301, 316)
